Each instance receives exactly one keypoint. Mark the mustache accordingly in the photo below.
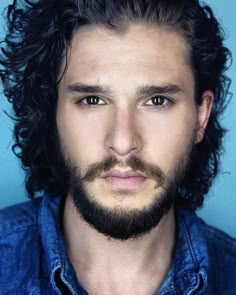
(136, 164)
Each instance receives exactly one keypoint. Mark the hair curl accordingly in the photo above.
(39, 33)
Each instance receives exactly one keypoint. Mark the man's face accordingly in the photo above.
(127, 121)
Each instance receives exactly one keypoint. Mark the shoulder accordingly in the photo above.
(18, 226)
(19, 242)
(218, 241)
(213, 247)
(18, 218)
(222, 259)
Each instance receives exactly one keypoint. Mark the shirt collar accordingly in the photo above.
(191, 254)
(58, 265)
(188, 272)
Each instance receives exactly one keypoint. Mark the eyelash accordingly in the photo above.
(86, 105)
(165, 102)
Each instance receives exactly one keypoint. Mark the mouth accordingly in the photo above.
(124, 180)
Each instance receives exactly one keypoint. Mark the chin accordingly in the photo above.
(121, 216)
(124, 200)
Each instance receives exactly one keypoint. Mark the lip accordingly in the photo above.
(124, 180)
(122, 174)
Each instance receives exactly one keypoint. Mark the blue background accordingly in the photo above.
(220, 205)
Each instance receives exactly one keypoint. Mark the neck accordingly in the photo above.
(93, 253)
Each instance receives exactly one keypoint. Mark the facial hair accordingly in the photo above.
(117, 223)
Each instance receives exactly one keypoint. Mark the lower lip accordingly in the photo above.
(125, 183)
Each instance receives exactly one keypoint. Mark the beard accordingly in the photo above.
(117, 222)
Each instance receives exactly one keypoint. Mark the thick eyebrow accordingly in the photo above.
(92, 89)
(145, 90)
(149, 90)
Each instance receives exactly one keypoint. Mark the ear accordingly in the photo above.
(204, 112)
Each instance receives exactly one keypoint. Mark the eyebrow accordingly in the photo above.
(149, 90)
(92, 89)
(145, 90)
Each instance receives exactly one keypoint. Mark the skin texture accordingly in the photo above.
(122, 124)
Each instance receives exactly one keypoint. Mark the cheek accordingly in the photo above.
(81, 137)
(169, 139)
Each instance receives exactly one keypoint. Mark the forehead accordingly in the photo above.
(143, 52)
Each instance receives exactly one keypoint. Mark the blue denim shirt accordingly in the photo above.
(33, 258)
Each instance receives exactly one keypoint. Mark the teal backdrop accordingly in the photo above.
(220, 205)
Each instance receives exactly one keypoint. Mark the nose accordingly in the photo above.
(123, 138)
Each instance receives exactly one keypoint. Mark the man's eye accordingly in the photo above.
(91, 101)
(158, 100)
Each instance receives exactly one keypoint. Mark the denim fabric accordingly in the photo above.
(33, 258)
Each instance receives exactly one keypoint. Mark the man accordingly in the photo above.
(117, 107)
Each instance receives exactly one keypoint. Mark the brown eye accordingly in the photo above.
(91, 101)
(158, 100)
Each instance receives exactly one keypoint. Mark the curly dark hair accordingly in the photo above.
(39, 33)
